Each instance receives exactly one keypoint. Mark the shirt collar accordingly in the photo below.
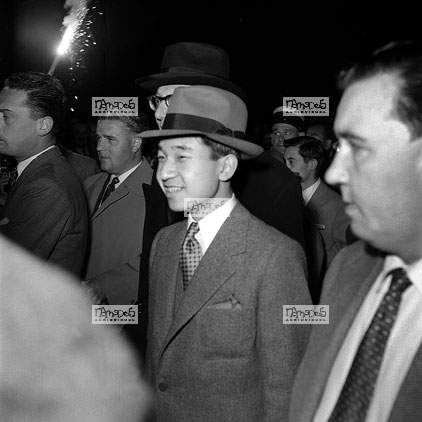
(309, 191)
(211, 223)
(22, 165)
(125, 175)
(414, 271)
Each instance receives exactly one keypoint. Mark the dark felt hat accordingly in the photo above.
(193, 63)
(289, 116)
(213, 112)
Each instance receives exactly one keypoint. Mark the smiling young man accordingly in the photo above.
(366, 364)
(264, 185)
(217, 346)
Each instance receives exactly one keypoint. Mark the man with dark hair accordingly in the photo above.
(217, 346)
(366, 364)
(45, 211)
(322, 129)
(324, 209)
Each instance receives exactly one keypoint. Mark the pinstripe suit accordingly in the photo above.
(46, 212)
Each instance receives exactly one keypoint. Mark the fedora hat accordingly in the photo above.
(289, 116)
(193, 63)
(212, 112)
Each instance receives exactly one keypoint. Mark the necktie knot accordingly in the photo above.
(13, 175)
(110, 188)
(399, 280)
(192, 231)
(113, 183)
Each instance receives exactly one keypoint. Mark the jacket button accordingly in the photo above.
(162, 386)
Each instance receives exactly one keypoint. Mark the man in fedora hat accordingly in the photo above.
(217, 347)
(183, 64)
(267, 189)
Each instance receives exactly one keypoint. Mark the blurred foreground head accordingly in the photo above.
(56, 366)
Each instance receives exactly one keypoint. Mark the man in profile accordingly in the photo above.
(366, 364)
(45, 211)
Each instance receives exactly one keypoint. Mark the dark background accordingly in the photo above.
(276, 48)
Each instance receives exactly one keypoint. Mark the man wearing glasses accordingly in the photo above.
(265, 187)
(184, 64)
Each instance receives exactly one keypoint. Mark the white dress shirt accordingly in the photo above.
(402, 345)
(124, 175)
(21, 166)
(211, 223)
(309, 191)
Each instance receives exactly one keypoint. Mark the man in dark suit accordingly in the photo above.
(83, 166)
(217, 346)
(324, 208)
(366, 364)
(46, 209)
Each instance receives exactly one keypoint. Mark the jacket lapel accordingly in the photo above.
(26, 175)
(216, 267)
(133, 183)
(115, 196)
(166, 284)
(344, 292)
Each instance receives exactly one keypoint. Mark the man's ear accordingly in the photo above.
(45, 125)
(313, 164)
(136, 143)
(228, 167)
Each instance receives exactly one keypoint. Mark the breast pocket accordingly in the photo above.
(227, 333)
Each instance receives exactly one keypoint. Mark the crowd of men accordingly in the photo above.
(326, 215)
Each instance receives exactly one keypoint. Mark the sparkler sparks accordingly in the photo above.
(73, 25)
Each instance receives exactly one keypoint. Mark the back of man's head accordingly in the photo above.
(55, 365)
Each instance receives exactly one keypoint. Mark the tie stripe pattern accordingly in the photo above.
(110, 188)
(13, 175)
(355, 397)
(190, 254)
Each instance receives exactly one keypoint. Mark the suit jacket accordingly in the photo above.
(326, 210)
(326, 226)
(220, 350)
(346, 285)
(46, 212)
(82, 165)
(116, 233)
(271, 192)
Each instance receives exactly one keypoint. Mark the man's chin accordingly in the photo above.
(175, 205)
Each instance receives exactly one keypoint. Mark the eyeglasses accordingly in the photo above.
(155, 100)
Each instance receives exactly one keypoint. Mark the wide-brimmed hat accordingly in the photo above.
(288, 116)
(193, 63)
(209, 111)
